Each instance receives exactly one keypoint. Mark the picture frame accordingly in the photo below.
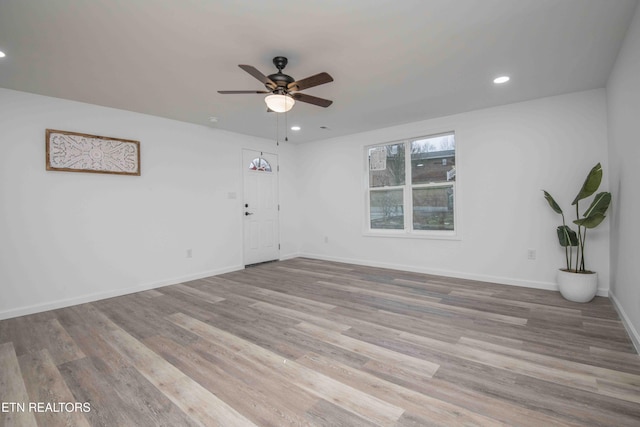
(80, 152)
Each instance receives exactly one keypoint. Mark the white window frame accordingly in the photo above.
(407, 191)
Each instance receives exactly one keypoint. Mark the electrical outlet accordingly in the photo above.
(531, 254)
(189, 253)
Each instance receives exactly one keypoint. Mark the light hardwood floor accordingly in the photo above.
(307, 342)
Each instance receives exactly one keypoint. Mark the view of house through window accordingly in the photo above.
(411, 184)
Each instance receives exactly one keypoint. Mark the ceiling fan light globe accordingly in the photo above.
(279, 103)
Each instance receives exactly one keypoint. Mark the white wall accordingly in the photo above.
(623, 99)
(506, 155)
(72, 237)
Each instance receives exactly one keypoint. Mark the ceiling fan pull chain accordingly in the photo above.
(286, 127)
(277, 130)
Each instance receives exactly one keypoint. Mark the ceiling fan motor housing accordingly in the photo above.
(280, 79)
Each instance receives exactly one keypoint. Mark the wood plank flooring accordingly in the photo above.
(306, 342)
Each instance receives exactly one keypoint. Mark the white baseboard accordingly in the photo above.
(96, 296)
(289, 256)
(631, 330)
(469, 276)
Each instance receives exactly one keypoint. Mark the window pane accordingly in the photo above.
(386, 165)
(433, 208)
(433, 159)
(387, 210)
(260, 164)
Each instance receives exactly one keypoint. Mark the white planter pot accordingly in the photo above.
(577, 287)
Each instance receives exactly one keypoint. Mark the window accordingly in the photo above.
(260, 164)
(411, 186)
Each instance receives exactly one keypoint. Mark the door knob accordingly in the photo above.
(248, 213)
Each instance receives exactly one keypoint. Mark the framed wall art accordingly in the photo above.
(79, 152)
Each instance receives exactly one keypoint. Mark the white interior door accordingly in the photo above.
(261, 227)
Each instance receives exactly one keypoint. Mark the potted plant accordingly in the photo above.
(575, 282)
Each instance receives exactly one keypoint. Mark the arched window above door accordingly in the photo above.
(260, 164)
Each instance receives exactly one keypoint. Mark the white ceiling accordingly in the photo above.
(393, 61)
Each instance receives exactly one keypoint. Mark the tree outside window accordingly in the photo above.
(414, 192)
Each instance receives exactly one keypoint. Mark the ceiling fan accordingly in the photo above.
(284, 90)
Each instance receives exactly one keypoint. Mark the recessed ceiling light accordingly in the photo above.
(295, 128)
(213, 119)
(501, 79)
(2, 55)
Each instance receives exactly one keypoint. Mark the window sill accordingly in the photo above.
(446, 235)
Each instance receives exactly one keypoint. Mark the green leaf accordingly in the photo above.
(599, 205)
(591, 184)
(566, 236)
(591, 221)
(552, 203)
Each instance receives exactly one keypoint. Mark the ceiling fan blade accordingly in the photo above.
(258, 75)
(227, 92)
(316, 80)
(311, 99)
